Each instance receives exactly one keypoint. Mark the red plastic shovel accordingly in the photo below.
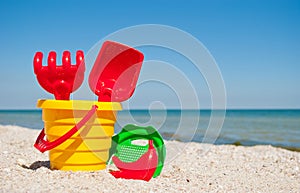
(115, 72)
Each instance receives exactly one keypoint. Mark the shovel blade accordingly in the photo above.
(115, 72)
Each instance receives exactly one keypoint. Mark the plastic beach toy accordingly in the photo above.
(115, 72)
(78, 133)
(142, 169)
(127, 155)
(59, 80)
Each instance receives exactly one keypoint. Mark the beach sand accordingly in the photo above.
(189, 167)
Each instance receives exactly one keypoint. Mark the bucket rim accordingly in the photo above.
(77, 104)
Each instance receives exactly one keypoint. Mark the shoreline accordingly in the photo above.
(189, 167)
(294, 149)
(235, 143)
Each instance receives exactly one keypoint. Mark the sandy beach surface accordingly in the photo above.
(189, 167)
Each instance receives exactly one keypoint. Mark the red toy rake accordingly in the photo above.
(60, 80)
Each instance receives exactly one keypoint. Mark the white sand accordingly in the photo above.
(197, 168)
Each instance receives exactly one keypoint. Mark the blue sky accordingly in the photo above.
(255, 43)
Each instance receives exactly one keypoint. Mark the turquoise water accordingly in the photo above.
(246, 127)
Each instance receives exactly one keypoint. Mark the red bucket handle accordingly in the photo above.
(43, 145)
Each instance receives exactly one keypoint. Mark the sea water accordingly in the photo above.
(244, 127)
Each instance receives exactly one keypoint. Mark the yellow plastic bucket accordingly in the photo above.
(88, 148)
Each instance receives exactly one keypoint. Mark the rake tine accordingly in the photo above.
(79, 58)
(52, 61)
(37, 62)
(66, 59)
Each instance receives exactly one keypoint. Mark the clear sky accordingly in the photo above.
(256, 43)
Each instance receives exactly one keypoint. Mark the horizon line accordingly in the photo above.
(37, 109)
